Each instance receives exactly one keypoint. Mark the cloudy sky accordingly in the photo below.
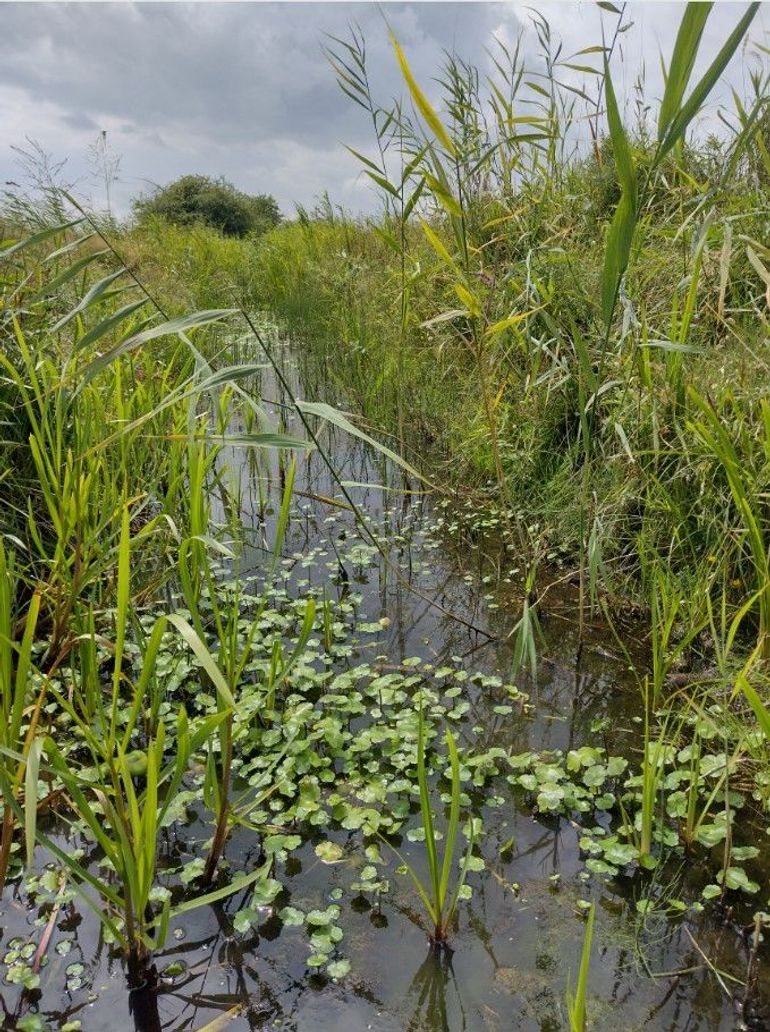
(244, 90)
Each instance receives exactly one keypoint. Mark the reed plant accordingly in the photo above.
(127, 792)
(576, 999)
(20, 714)
(438, 895)
(747, 491)
(574, 408)
(103, 511)
(644, 826)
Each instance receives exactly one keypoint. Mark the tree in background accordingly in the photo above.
(193, 200)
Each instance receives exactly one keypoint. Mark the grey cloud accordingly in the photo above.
(244, 90)
(229, 71)
(218, 87)
(79, 120)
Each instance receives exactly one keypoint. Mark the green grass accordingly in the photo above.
(574, 341)
(552, 332)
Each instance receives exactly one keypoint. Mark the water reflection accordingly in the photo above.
(433, 981)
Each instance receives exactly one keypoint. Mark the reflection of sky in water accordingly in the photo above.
(518, 938)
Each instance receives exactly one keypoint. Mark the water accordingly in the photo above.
(518, 940)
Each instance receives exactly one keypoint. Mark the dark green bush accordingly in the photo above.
(201, 200)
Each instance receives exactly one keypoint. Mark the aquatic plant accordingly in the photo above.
(122, 819)
(19, 746)
(440, 903)
(526, 633)
(576, 999)
(747, 493)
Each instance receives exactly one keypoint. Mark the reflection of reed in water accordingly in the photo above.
(143, 1000)
(429, 990)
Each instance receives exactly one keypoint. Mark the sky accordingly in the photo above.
(244, 90)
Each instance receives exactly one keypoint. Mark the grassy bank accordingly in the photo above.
(471, 317)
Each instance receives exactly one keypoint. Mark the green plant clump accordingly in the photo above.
(201, 200)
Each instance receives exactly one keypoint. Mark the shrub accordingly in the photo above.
(194, 200)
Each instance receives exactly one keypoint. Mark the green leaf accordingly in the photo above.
(620, 147)
(382, 182)
(322, 918)
(621, 853)
(550, 796)
(437, 245)
(205, 658)
(454, 818)
(68, 273)
(244, 920)
(444, 196)
(266, 440)
(338, 968)
(421, 101)
(616, 254)
(30, 799)
(91, 297)
(736, 878)
(682, 60)
(109, 323)
(236, 885)
(760, 710)
(329, 852)
(265, 892)
(291, 917)
(38, 238)
(506, 324)
(413, 199)
(338, 419)
(180, 325)
(621, 233)
(576, 1001)
(680, 121)
(363, 159)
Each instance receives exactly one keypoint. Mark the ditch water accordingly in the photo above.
(442, 600)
